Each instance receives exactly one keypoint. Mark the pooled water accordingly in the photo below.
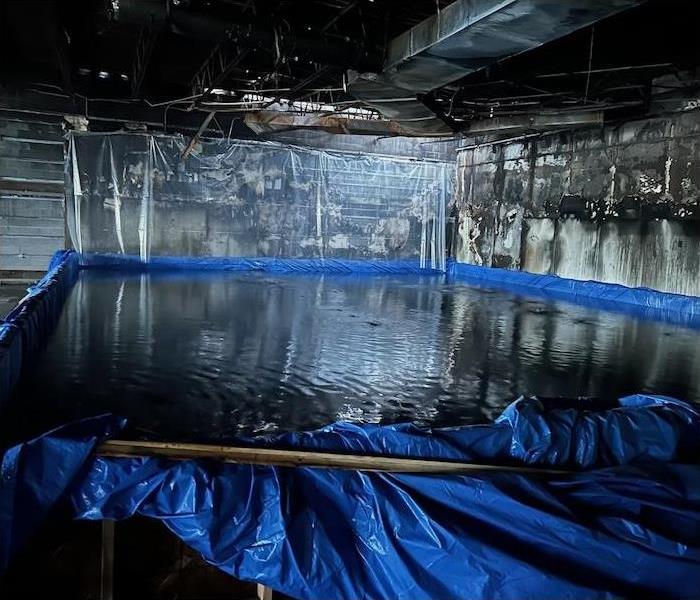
(206, 357)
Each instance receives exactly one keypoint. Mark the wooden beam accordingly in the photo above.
(107, 561)
(264, 592)
(142, 58)
(304, 458)
(196, 136)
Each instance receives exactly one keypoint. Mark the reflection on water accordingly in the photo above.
(208, 356)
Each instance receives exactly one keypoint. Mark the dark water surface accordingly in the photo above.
(206, 357)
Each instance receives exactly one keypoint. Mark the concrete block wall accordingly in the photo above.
(31, 193)
(619, 204)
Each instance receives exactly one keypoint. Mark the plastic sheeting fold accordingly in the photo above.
(630, 530)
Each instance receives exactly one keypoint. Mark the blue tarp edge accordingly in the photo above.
(263, 264)
(26, 328)
(560, 287)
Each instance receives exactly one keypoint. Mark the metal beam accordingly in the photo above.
(534, 122)
(606, 70)
(342, 12)
(429, 101)
(298, 89)
(61, 51)
(144, 50)
(216, 69)
(117, 112)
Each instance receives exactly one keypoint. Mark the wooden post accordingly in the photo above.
(107, 561)
(264, 592)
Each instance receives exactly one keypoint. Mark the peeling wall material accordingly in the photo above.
(617, 204)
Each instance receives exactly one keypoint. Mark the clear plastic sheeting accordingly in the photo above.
(135, 194)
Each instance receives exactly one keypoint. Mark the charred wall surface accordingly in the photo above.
(619, 204)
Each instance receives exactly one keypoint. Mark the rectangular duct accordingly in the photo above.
(466, 36)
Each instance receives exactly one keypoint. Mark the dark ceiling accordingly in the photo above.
(618, 65)
(149, 52)
(155, 48)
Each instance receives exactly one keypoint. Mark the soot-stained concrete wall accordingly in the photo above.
(619, 204)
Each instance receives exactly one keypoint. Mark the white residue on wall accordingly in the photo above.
(649, 184)
(667, 175)
(508, 220)
(339, 241)
(470, 232)
(611, 193)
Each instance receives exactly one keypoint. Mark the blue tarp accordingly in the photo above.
(626, 524)
(628, 528)
(639, 302)
(268, 265)
(26, 328)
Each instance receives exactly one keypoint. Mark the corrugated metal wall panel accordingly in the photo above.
(31, 192)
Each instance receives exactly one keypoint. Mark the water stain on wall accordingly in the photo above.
(619, 204)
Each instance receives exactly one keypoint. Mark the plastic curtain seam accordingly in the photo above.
(117, 199)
